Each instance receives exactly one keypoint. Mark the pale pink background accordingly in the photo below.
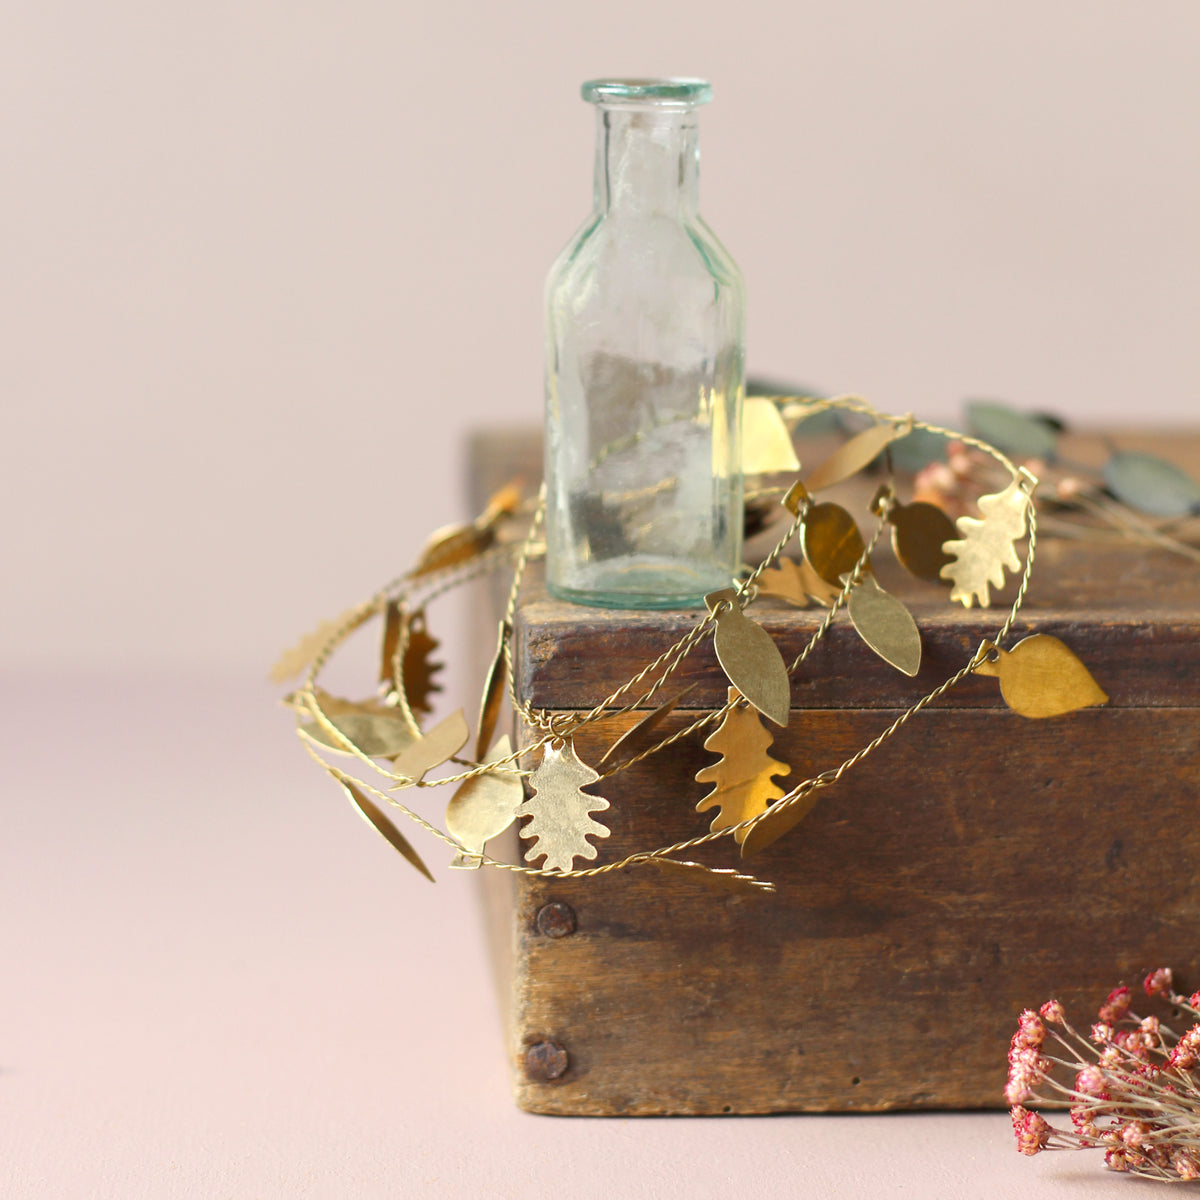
(262, 265)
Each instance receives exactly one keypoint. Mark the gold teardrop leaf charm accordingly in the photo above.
(749, 657)
(393, 622)
(485, 805)
(831, 542)
(1041, 677)
(850, 457)
(919, 531)
(373, 728)
(445, 739)
(778, 820)
(885, 625)
(642, 735)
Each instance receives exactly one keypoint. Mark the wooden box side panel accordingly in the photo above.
(974, 868)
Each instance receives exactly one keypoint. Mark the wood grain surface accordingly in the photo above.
(976, 864)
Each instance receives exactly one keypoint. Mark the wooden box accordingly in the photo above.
(976, 864)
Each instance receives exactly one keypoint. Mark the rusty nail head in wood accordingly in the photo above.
(545, 1061)
(555, 920)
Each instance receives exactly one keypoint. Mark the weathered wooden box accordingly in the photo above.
(976, 864)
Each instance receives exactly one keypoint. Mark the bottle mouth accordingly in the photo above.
(676, 92)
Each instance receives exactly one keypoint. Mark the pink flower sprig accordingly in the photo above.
(1134, 1089)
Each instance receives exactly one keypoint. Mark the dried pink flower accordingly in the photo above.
(1032, 1131)
(1186, 1164)
(1116, 1007)
(1053, 1012)
(1158, 983)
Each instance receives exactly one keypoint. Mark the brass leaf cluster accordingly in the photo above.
(542, 781)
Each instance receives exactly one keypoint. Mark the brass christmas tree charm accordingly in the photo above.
(561, 812)
(742, 781)
(987, 548)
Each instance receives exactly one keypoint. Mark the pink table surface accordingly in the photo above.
(219, 982)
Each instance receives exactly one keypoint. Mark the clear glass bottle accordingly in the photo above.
(644, 369)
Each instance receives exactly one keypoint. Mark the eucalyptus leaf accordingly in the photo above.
(1151, 485)
(1022, 435)
(917, 449)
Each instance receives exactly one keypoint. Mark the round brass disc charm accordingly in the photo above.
(831, 541)
(919, 531)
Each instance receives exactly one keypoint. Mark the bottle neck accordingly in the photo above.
(647, 160)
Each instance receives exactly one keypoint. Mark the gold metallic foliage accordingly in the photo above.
(831, 542)
(1038, 677)
(766, 442)
(484, 805)
(1041, 677)
(987, 547)
(641, 736)
(560, 813)
(742, 781)
(883, 622)
(749, 657)
(375, 817)
(852, 456)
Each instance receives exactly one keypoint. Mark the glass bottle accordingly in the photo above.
(644, 369)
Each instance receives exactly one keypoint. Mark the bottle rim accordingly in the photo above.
(642, 91)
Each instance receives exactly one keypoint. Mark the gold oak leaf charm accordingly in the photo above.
(560, 812)
(749, 657)
(418, 668)
(484, 806)
(1041, 677)
(885, 625)
(987, 548)
(742, 779)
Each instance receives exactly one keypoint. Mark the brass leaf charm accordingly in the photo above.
(987, 548)
(850, 457)
(453, 545)
(766, 443)
(749, 657)
(375, 729)
(831, 542)
(742, 781)
(885, 625)
(919, 532)
(485, 806)
(561, 813)
(1041, 677)
(443, 741)
(797, 583)
(777, 822)
(374, 816)
(296, 658)
(720, 879)
(418, 669)
(642, 736)
(393, 621)
(493, 693)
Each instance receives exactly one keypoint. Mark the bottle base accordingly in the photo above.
(639, 581)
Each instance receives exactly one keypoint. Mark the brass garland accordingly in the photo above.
(1038, 677)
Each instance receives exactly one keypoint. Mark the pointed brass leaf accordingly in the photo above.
(919, 532)
(721, 879)
(831, 542)
(393, 620)
(1041, 677)
(749, 657)
(766, 443)
(493, 693)
(296, 658)
(501, 503)
(453, 545)
(374, 816)
(852, 456)
(375, 729)
(776, 822)
(885, 625)
(486, 805)
(642, 735)
(443, 741)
